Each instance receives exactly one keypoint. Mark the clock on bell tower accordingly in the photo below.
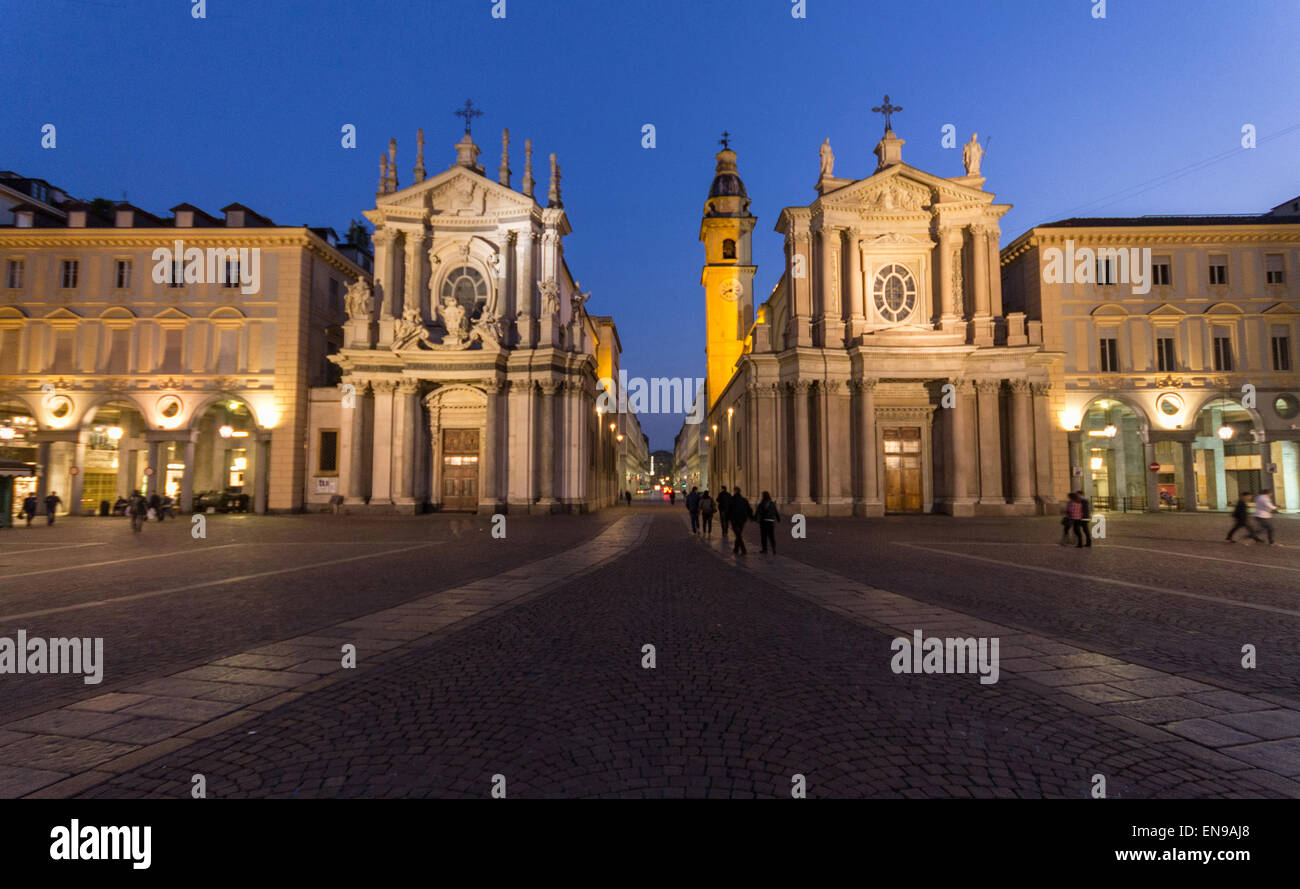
(728, 271)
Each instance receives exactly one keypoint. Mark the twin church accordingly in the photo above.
(883, 374)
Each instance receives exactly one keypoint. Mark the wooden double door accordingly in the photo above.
(902, 447)
(460, 470)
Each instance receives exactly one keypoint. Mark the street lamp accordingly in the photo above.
(1225, 432)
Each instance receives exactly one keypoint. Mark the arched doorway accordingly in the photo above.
(1227, 457)
(116, 456)
(225, 455)
(18, 443)
(1114, 467)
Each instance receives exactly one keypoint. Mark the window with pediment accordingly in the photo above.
(895, 293)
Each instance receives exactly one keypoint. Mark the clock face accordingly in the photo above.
(732, 290)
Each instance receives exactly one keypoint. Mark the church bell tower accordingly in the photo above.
(728, 273)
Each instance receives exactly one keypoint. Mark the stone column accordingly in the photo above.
(983, 324)
(385, 242)
(962, 454)
(868, 501)
(800, 331)
(1041, 393)
(352, 446)
(77, 483)
(524, 289)
(857, 309)
(187, 480)
(945, 276)
(154, 485)
(414, 269)
(1187, 495)
(802, 444)
(493, 455)
(828, 315)
(1022, 444)
(990, 442)
(262, 447)
(548, 445)
(381, 468)
(405, 412)
(994, 271)
(1152, 478)
(1266, 477)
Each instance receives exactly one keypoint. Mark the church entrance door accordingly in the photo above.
(460, 462)
(902, 446)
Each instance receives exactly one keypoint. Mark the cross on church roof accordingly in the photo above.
(887, 110)
(725, 141)
(469, 112)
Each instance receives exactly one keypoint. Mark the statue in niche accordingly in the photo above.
(360, 301)
(453, 316)
(550, 298)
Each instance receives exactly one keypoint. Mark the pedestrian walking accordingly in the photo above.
(628, 496)
(724, 505)
(155, 507)
(1264, 509)
(165, 511)
(693, 507)
(767, 519)
(707, 509)
(52, 504)
(672, 496)
(29, 508)
(1074, 510)
(138, 509)
(1086, 518)
(1241, 518)
(738, 512)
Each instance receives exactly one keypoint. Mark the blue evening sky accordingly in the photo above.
(247, 105)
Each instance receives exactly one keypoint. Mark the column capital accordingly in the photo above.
(963, 385)
(550, 387)
(1041, 388)
(1019, 387)
(988, 387)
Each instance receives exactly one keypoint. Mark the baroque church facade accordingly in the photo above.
(882, 374)
(470, 367)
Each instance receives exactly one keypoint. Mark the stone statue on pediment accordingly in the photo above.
(453, 317)
(828, 160)
(972, 155)
(409, 331)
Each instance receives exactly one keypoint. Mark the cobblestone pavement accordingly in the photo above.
(765, 669)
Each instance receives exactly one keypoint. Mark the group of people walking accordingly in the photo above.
(1264, 507)
(139, 507)
(733, 512)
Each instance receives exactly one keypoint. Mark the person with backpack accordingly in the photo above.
(767, 518)
(693, 507)
(738, 512)
(29, 508)
(1241, 518)
(138, 509)
(724, 505)
(707, 509)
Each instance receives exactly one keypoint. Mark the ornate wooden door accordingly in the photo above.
(902, 445)
(460, 476)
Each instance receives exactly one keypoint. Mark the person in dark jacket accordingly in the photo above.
(1241, 518)
(1085, 521)
(738, 512)
(52, 504)
(29, 508)
(724, 502)
(138, 510)
(767, 518)
(707, 509)
(693, 507)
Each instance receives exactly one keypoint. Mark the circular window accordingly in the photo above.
(1286, 406)
(60, 406)
(1169, 404)
(467, 287)
(895, 293)
(169, 407)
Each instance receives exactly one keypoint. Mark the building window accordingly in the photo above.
(1106, 272)
(1286, 406)
(1109, 355)
(1223, 353)
(68, 281)
(172, 343)
(728, 249)
(895, 293)
(327, 452)
(178, 274)
(1165, 357)
(336, 304)
(467, 287)
(1218, 270)
(232, 273)
(1274, 272)
(122, 274)
(1281, 353)
(1161, 271)
(14, 274)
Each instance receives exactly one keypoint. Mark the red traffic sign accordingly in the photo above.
(1154, 467)
(73, 470)
(148, 471)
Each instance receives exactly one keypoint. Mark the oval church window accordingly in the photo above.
(895, 293)
(467, 287)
